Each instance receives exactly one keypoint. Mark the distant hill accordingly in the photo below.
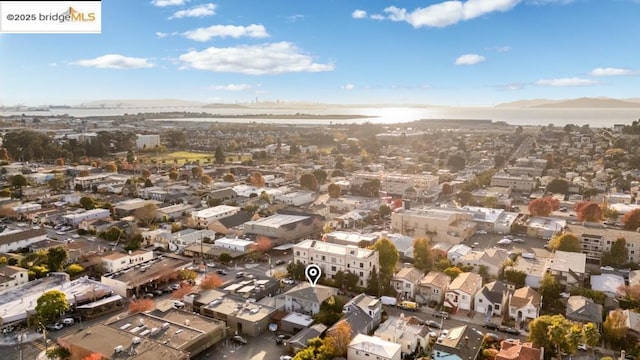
(223, 106)
(590, 103)
(134, 103)
(585, 103)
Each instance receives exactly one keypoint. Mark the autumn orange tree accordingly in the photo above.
(262, 244)
(185, 289)
(339, 338)
(588, 211)
(211, 281)
(540, 207)
(93, 356)
(631, 220)
(141, 305)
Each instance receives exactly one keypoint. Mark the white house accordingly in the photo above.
(461, 291)
(16, 239)
(524, 304)
(11, 276)
(401, 330)
(365, 347)
(120, 261)
(406, 281)
(491, 299)
(493, 259)
(238, 245)
(206, 217)
(94, 214)
(296, 198)
(456, 252)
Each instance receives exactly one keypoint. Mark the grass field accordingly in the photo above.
(188, 156)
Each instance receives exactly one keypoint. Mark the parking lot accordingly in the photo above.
(261, 347)
(529, 244)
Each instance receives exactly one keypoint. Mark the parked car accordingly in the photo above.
(280, 262)
(240, 275)
(178, 304)
(222, 272)
(288, 281)
(518, 240)
(54, 327)
(280, 339)
(68, 321)
(175, 286)
(475, 244)
(583, 347)
(491, 326)
(148, 296)
(285, 357)
(481, 232)
(441, 314)
(510, 330)
(239, 339)
(211, 265)
(158, 292)
(434, 324)
(491, 337)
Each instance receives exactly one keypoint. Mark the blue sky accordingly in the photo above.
(467, 53)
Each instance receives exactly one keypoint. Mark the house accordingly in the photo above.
(206, 217)
(365, 347)
(461, 343)
(94, 214)
(461, 291)
(513, 349)
(14, 240)
(492, 259)
(433, 287)
(406, 281)
(119, 261)
(491, 299)
(11, 276)
(608, 284)
(306, 299)
(632, 322)
(363, 314)
(300, 340)
(456, 252)
(534, 268)
(411, 336)
(567, 267)
(232, 224)
(524, 304)
(583, 309)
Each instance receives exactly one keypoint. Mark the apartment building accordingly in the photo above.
(595, 241)
(522, 183)
(147, 141)
(441, 225)
(206, 217)
(333, 258)
(397, 184)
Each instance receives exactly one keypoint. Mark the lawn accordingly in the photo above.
(184, 156)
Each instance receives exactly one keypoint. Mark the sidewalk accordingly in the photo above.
(13, 338)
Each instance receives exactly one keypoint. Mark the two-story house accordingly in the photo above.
(525, 304)
(432, 287)
(461, 291)
(11, 276)
(491, 299)
(406, 281)
(461, 343)
(306, 299)
(401, 330)
(365, 347)
(583, 309)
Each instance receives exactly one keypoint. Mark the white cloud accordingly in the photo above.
(295, 17)
(377, 17)
(348, 86)
(194, 12)
(359, 14)
(448, 12)
(566, 82)
(548, 2)
(232, 87)
(53, 64)
(161, 34)
(163, 3)
(610, 71)
(273, 58)
(509, 87)
(233, 31)
(500, 49)
(470, 59)
(115, 61)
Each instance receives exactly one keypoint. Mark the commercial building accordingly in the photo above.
(441, 225)
(521, 183)
(89, 215)
(281, 228)
(119, 261)
(206, 217)
(14, 240)
(295, 198)
(332, 258)
(241, 316)
(237, 245)
(147, 141)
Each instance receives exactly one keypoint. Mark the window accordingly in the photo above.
(361, 265)
(323, 258)
(361, 273)
(496, 307)
(333, 268)
(333, 260)
(297, 253)
(407, 285)
(480, 301)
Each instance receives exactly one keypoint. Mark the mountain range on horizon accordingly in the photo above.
(578, 103)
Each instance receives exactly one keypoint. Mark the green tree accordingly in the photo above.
(384, 211)
(225, 258)
(554, 332)
(387, 255)
(550, 290)
(56, 257)
(558, 186)
(330, 311)
(219, 155)
(320, 175)
(351, 281)
(490, 202)
(18, 181)
(334, 190)
(51, 305)
(87, 203)
(566, 242)
(515, 277)
(456, 163)
(308, 181)
(453, 272)
(74, 269)
(618, 254)
(373, 284)
(465, 198)
(591, 334)
(57, 183)
(296, 271)
(187, 275)
(610, 213)
(422, 254)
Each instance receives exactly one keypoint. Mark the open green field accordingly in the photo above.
(189, 156)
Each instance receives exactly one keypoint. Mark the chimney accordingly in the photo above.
(406, 204)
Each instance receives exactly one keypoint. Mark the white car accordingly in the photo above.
(286, 357)
(288, 281)
(75, 236)
(583, 347)
(481, 232)
(178, 304)
(504, 241)
(521, 241)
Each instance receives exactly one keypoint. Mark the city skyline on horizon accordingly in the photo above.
(447, 53)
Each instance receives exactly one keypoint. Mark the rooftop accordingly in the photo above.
(336, 249)
(278, 220)
(245, 310)
(215, 211)
(374, 345)
(159, 266)
(564, 260)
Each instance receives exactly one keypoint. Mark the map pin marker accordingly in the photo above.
(313, 274)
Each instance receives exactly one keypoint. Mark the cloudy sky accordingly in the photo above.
(473, 52)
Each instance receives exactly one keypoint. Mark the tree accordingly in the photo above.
(456, 163)
(296, 270)
(256, 179)
(339, 338)
(566, 242)
(330, 311)
(610, 213)
(74, 269)
(229, 177)
(57, 183)
(387, 255)
(465, 198)
(18, 181)
(87, 203)
(515, 277)
(184, 290)
(373, 283)
(550, 290)
(148, 183)
(56, 257)
(453, 272)
(51, 305)
(173, 175)
(422, 254)
(555, 333)
(211, 281)
(196, 171)
(59, 162)
(588, 211)
(147, 214)
(141, 305)
(262, 244)
(93, 356)
(146, 173)
(308, 181)
(187, 275)
(631, 220)
(351, 281)
(617, 255)
(205, 179)
(4, 155)
(558, 186)
(111, 167)
(225, 258)
(335, 191)
(320, 175)
(614, 328)
(219, 155)
(540, 207)
(591, 334)
(490, 202)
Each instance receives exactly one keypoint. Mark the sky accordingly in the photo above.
(456, 53)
